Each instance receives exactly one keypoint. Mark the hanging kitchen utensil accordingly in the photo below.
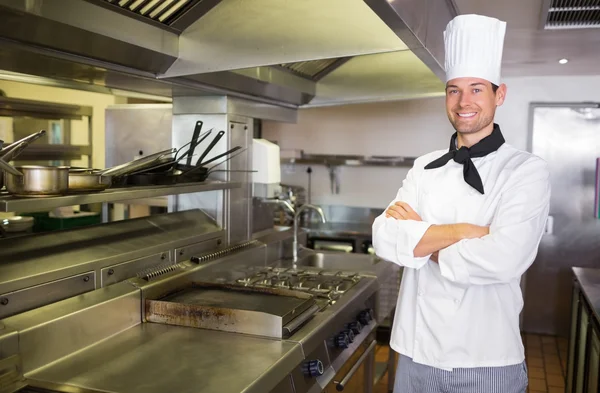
(210, 147)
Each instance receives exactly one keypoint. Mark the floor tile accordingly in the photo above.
(548, 339)
(555, 380)
(535, 372)
(553, 369)
(535, 361)
(536, 352)
(537, 384)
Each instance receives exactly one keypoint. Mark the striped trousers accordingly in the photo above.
(417, 378)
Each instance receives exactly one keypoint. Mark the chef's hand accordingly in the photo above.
(402, 211)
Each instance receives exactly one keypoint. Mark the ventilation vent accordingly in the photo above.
(162, 11)
(572, 14)
(315, 69)
(172, 15)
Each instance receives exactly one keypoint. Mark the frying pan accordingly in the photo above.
(165, 164)
(195, 136)
(136, 165)
(87, 180)
(210, 147)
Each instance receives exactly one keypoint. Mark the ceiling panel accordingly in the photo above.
(531, 50)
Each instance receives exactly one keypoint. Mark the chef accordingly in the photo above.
(465, 225)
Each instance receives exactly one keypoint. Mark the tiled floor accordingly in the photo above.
(546, 360)
(547, 363)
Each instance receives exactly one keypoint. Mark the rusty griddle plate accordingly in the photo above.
(233, 308)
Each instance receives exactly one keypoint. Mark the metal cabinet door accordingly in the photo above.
(581, 346)
(575, 308)
(593, 363)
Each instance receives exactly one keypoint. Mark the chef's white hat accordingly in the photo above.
(474, 46)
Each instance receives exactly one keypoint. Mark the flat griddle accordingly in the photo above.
(270, 312)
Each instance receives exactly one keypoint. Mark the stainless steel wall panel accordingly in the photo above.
(29, 298)
(131, 129)
(240, 200)
(568, 138)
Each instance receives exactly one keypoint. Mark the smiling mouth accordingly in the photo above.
(466, 115)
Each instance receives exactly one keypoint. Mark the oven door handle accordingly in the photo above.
(342, 384)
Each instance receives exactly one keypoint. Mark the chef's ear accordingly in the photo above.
(500, 94)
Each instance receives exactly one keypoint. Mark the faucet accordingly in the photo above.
(296, 224)
(282, 202)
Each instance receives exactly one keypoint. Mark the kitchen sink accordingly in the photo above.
(338, 261)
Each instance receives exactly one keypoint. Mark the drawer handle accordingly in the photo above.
(340, 385)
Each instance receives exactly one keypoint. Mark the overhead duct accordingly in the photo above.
(261, 50)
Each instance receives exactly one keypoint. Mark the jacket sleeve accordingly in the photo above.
(515, 233)
(395, 240)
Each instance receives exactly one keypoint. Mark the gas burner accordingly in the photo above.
(326, 285)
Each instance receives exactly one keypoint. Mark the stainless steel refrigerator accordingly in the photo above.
(567, 136)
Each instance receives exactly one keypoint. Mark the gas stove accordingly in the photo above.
(329, 285)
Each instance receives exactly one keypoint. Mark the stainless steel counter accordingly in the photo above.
(159, 358)
(99, 341)
(340, 229)
(589, 281)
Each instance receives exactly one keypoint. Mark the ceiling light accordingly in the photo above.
(563, 61)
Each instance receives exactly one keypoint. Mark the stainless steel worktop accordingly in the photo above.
(100, 341)
(159, 358)
(340, 229)
(589, 281)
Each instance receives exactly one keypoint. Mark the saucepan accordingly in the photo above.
(38, 181)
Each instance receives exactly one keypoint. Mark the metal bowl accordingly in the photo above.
(38, 181)
(17, 223)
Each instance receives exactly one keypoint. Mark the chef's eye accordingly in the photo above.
(476, 90)
(454, 91)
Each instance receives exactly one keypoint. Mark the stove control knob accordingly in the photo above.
(356, 327)
(350, 335)
(342, 340)
(365, 317)
(313, 368)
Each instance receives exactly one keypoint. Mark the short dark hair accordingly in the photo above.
(494, 88)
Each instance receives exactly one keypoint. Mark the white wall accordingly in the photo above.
(403, 128)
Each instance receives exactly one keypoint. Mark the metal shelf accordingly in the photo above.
(343, 160)
(17, 204)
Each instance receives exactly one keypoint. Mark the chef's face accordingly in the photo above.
(471, 103)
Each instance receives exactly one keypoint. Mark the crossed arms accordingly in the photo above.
(469, 254)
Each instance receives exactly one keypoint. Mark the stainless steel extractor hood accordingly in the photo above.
(286, 53)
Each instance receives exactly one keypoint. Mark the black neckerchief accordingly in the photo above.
(487, 145)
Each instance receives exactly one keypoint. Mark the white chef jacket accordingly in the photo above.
(464, 311)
